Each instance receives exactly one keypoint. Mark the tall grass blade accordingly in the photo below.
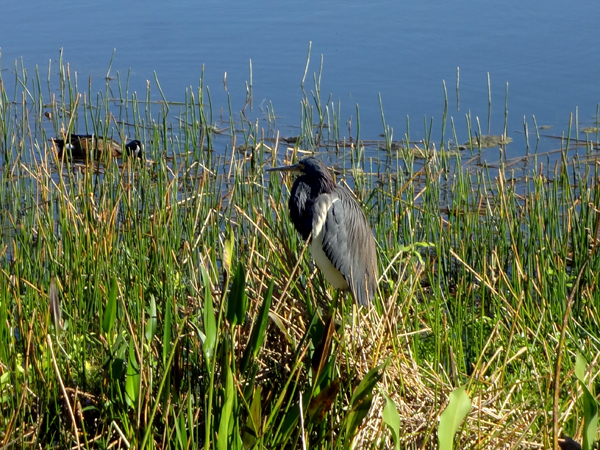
(210, 323)
(167, 330)
(110, 312)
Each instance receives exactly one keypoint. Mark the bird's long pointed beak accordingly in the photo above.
(292, 168)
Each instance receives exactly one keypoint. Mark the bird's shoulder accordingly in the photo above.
(347, 239)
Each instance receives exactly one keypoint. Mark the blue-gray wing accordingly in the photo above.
(349, 244)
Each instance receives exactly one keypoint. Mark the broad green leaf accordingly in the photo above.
(181, 431)
(151, 323)
(590, 406)
(253, 428)
(580, 365)
(5, 379)
(110, 313)
(191, 422)
(458, 407)
(259, 330)
(237, 301)
(361, 400)
(223, 438)
(392, 419)
(255, 411)
(210, 323)
(228, 252)
(132, 383)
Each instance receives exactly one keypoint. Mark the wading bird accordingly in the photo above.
(566, 443)
(78, 146)
(341, 240)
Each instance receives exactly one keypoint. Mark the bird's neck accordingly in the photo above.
(324, 186)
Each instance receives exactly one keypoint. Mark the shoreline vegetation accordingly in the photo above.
(168, 302)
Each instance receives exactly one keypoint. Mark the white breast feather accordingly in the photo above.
(332, 275)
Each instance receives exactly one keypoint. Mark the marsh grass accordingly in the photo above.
(191, 316)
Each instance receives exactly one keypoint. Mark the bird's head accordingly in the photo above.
(135, 148)
(310, 166)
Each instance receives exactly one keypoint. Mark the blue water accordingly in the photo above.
(546, 52)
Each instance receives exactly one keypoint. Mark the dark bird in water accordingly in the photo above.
(341, 239)
(566, 443)
(79, 145)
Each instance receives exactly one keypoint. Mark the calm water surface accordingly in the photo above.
(547, 52)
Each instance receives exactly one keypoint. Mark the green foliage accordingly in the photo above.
(210, 324)
(590, 406)
(392, 420)
(192, 317)
(459, 405)
(152, 322)
(361, 400)
(237, 302)
(167, 331)
(257, 337)
(110, 313)
(225, 439)
(132, 382)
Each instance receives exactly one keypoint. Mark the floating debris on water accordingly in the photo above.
(487, 141)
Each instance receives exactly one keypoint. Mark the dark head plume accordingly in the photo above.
(134, 148)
